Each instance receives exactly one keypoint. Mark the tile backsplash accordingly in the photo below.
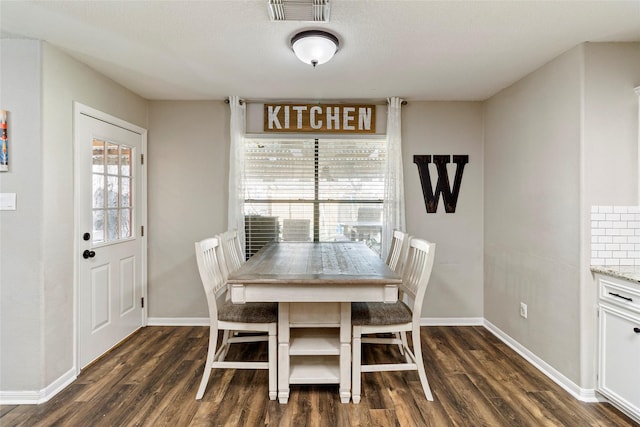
(615, 236)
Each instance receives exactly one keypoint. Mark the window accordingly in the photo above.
(112, 198)
(314, 190)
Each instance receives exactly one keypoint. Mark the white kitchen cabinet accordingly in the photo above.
(619, 343)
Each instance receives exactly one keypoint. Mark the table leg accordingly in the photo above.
(345, 352)
(283, 352)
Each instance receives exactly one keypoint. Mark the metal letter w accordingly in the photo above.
(449, 196)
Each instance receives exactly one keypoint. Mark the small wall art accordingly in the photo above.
(4, 150)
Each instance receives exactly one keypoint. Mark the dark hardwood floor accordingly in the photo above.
(151, 380)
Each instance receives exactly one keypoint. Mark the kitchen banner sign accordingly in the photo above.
(327, 118)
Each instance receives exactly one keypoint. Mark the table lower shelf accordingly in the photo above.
(314, 370)
(315, 342)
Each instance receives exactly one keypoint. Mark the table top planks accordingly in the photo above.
(315, 263)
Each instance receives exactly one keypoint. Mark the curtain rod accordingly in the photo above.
(319, 102)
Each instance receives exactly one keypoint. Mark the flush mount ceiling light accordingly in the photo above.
(314, 46)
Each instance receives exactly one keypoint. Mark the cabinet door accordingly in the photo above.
(619, 367)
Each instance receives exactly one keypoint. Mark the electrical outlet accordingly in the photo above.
(523, 310)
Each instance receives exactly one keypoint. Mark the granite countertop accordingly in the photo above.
(622, 272)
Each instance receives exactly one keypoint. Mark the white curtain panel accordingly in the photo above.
(394, 213)
(236, 166)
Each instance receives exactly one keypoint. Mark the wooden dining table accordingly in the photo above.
(314, 285)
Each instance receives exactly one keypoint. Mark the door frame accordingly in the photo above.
(78, 110)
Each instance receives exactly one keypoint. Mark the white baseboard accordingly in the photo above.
(425, 321)
(41, 396)
(178, 321)
(582, 394)
(452, 321)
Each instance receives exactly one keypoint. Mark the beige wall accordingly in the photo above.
(38, 327)
(611, 72)
(21, 299)
(65, 80)
(532, 211)
(609, 161)
(188, 191)
(556, 142)
(455, 290)
(188, 203)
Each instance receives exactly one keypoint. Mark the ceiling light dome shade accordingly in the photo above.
(314, 46)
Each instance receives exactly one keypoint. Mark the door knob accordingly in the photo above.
(88, 254)
(636, 330)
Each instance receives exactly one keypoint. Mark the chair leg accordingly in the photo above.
(213, 340)
(417, 352)
(356, 354)
(401, 347)
(224, 346)
(403, 338)
(273, 361)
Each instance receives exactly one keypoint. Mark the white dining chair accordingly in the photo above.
(226, 316)
(224, 272)
(229, 261)
(398, 251)
(383, 318)
(296, 230)
(234, 256)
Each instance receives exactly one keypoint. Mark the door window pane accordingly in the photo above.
(125, 223)
(112, 200)
(98, 190)
(125, 161)
(112, 159)
(113, 191)
(112, 224)
(98, 226)
(98, 156)
(125, 192)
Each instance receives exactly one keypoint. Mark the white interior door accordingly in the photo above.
(110, 209)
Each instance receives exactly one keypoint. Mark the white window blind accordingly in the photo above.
(313, 190)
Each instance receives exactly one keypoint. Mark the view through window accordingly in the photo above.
(112, 192)
(314, 190)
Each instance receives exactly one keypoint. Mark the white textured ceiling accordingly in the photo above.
(418, 50)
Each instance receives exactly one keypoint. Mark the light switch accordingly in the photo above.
(7, 201)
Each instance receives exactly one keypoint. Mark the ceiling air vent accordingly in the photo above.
(299, 10)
